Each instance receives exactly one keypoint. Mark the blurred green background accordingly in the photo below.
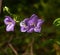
(45, 43)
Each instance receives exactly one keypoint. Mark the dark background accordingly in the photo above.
(45, 43)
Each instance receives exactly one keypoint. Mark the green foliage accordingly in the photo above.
(57, 22)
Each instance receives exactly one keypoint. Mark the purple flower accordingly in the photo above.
(10, 23)
(32, 24)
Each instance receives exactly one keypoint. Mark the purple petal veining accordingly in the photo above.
(32, 24)
(10, 23)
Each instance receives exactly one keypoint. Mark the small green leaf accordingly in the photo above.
(6, 9)
(57, 22)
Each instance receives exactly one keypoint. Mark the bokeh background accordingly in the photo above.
(47, 42)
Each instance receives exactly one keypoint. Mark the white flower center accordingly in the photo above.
(32, 24)
(22, 24)
(9, 22)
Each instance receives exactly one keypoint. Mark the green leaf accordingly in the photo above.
(57, 22)
(7, 10)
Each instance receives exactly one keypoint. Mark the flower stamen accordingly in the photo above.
(9, 22)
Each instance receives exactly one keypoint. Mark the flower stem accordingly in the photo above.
(56, 48)
(29, 50)
(10, 45)
(31, 47)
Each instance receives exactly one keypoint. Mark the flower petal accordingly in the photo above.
(34, 16)
(10, 27)
(5, 21)
(33, 20)
(31, 30)
(36, 29)
(39, 23)
(8, 20)
(24, 22)
(23, 29)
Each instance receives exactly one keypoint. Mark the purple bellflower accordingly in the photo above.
(32, 24)
(10, 23)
